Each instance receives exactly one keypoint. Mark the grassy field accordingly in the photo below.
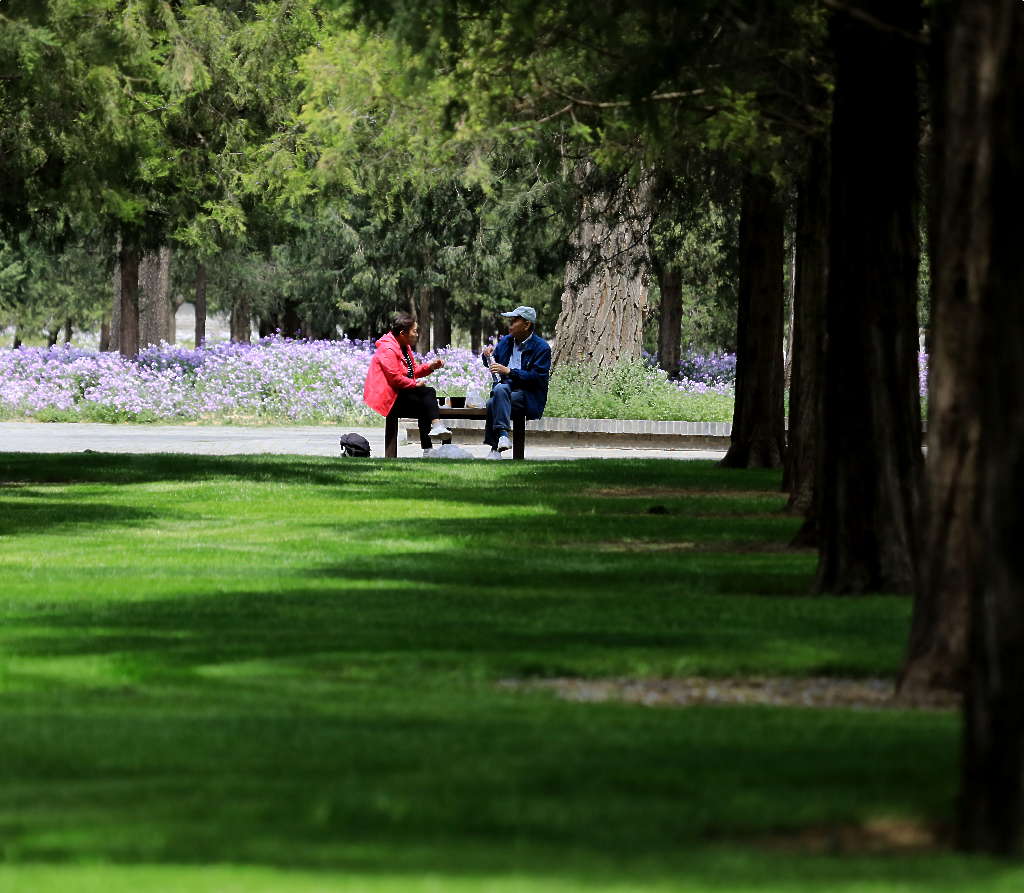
(283, 673)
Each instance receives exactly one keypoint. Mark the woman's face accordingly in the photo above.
(409, 337)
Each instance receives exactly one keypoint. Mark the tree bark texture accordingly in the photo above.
(980, 271)
(200, 304)
(758, 426)
(128, 323)
(155, 316)
(605, 293)
(670, 318)
(872, 460)
(808, 365)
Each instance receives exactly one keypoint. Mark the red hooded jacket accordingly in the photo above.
(388, 374)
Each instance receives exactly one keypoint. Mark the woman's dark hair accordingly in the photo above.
(402, 322)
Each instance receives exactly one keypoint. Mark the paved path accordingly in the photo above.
(224, 440)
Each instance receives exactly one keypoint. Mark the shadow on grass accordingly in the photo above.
(345, 715)
(47, 515)
(514, 482)
(310, 764)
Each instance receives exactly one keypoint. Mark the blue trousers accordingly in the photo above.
(504, 401)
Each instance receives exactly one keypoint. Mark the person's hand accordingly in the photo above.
(436, 363)
(501, 370)
(487, 351)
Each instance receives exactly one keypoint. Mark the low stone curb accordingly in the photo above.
(621, 433)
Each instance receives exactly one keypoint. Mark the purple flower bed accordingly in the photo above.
(274, 379)
(713, 373)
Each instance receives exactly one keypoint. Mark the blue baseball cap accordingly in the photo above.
(527, 313)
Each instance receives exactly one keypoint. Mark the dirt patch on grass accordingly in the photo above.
(815, 692)
(880, 835)
(654, 492)
(640, 546)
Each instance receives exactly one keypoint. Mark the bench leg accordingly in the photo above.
(518, 437)
(391, 437)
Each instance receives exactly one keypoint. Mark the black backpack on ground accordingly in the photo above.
(355, 445)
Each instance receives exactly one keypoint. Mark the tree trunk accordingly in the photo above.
(442, 317)
(758, 427)
(52, 335)
(105, 332)
(17, 338)
(128, 329)
(605, 294)
(978, 364)
(872, 460)
(670, 318)
(476, 328)
(114, 333)
(200, 304)
(425, 319)
(291, 322)
(154, 297)
(69, 325)
(807, 378)
(241, 321)
(937, 647)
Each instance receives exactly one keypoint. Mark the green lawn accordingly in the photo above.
(280, 673)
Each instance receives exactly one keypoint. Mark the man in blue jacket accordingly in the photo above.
(521, 364)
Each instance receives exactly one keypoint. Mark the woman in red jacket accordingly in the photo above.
(393, 380)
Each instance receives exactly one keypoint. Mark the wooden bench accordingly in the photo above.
(447, 412)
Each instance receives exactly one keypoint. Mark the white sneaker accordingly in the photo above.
(439, 430)
(493, 454)
(504, 443)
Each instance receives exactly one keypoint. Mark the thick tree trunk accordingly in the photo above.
(808, 369)
(872, 460)
(979, 282)
(200, 304)
(605, 294)
(241, 320)
(670, 318)
(128, 327)
(154, 296)
(52, 335)
(69, 326)
(442, 317)
(937, 648)
(758, 427)
(17, 338)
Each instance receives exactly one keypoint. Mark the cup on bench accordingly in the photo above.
(457, 402)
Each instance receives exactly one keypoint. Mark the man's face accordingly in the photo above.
(410, 336)
(518, 327)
